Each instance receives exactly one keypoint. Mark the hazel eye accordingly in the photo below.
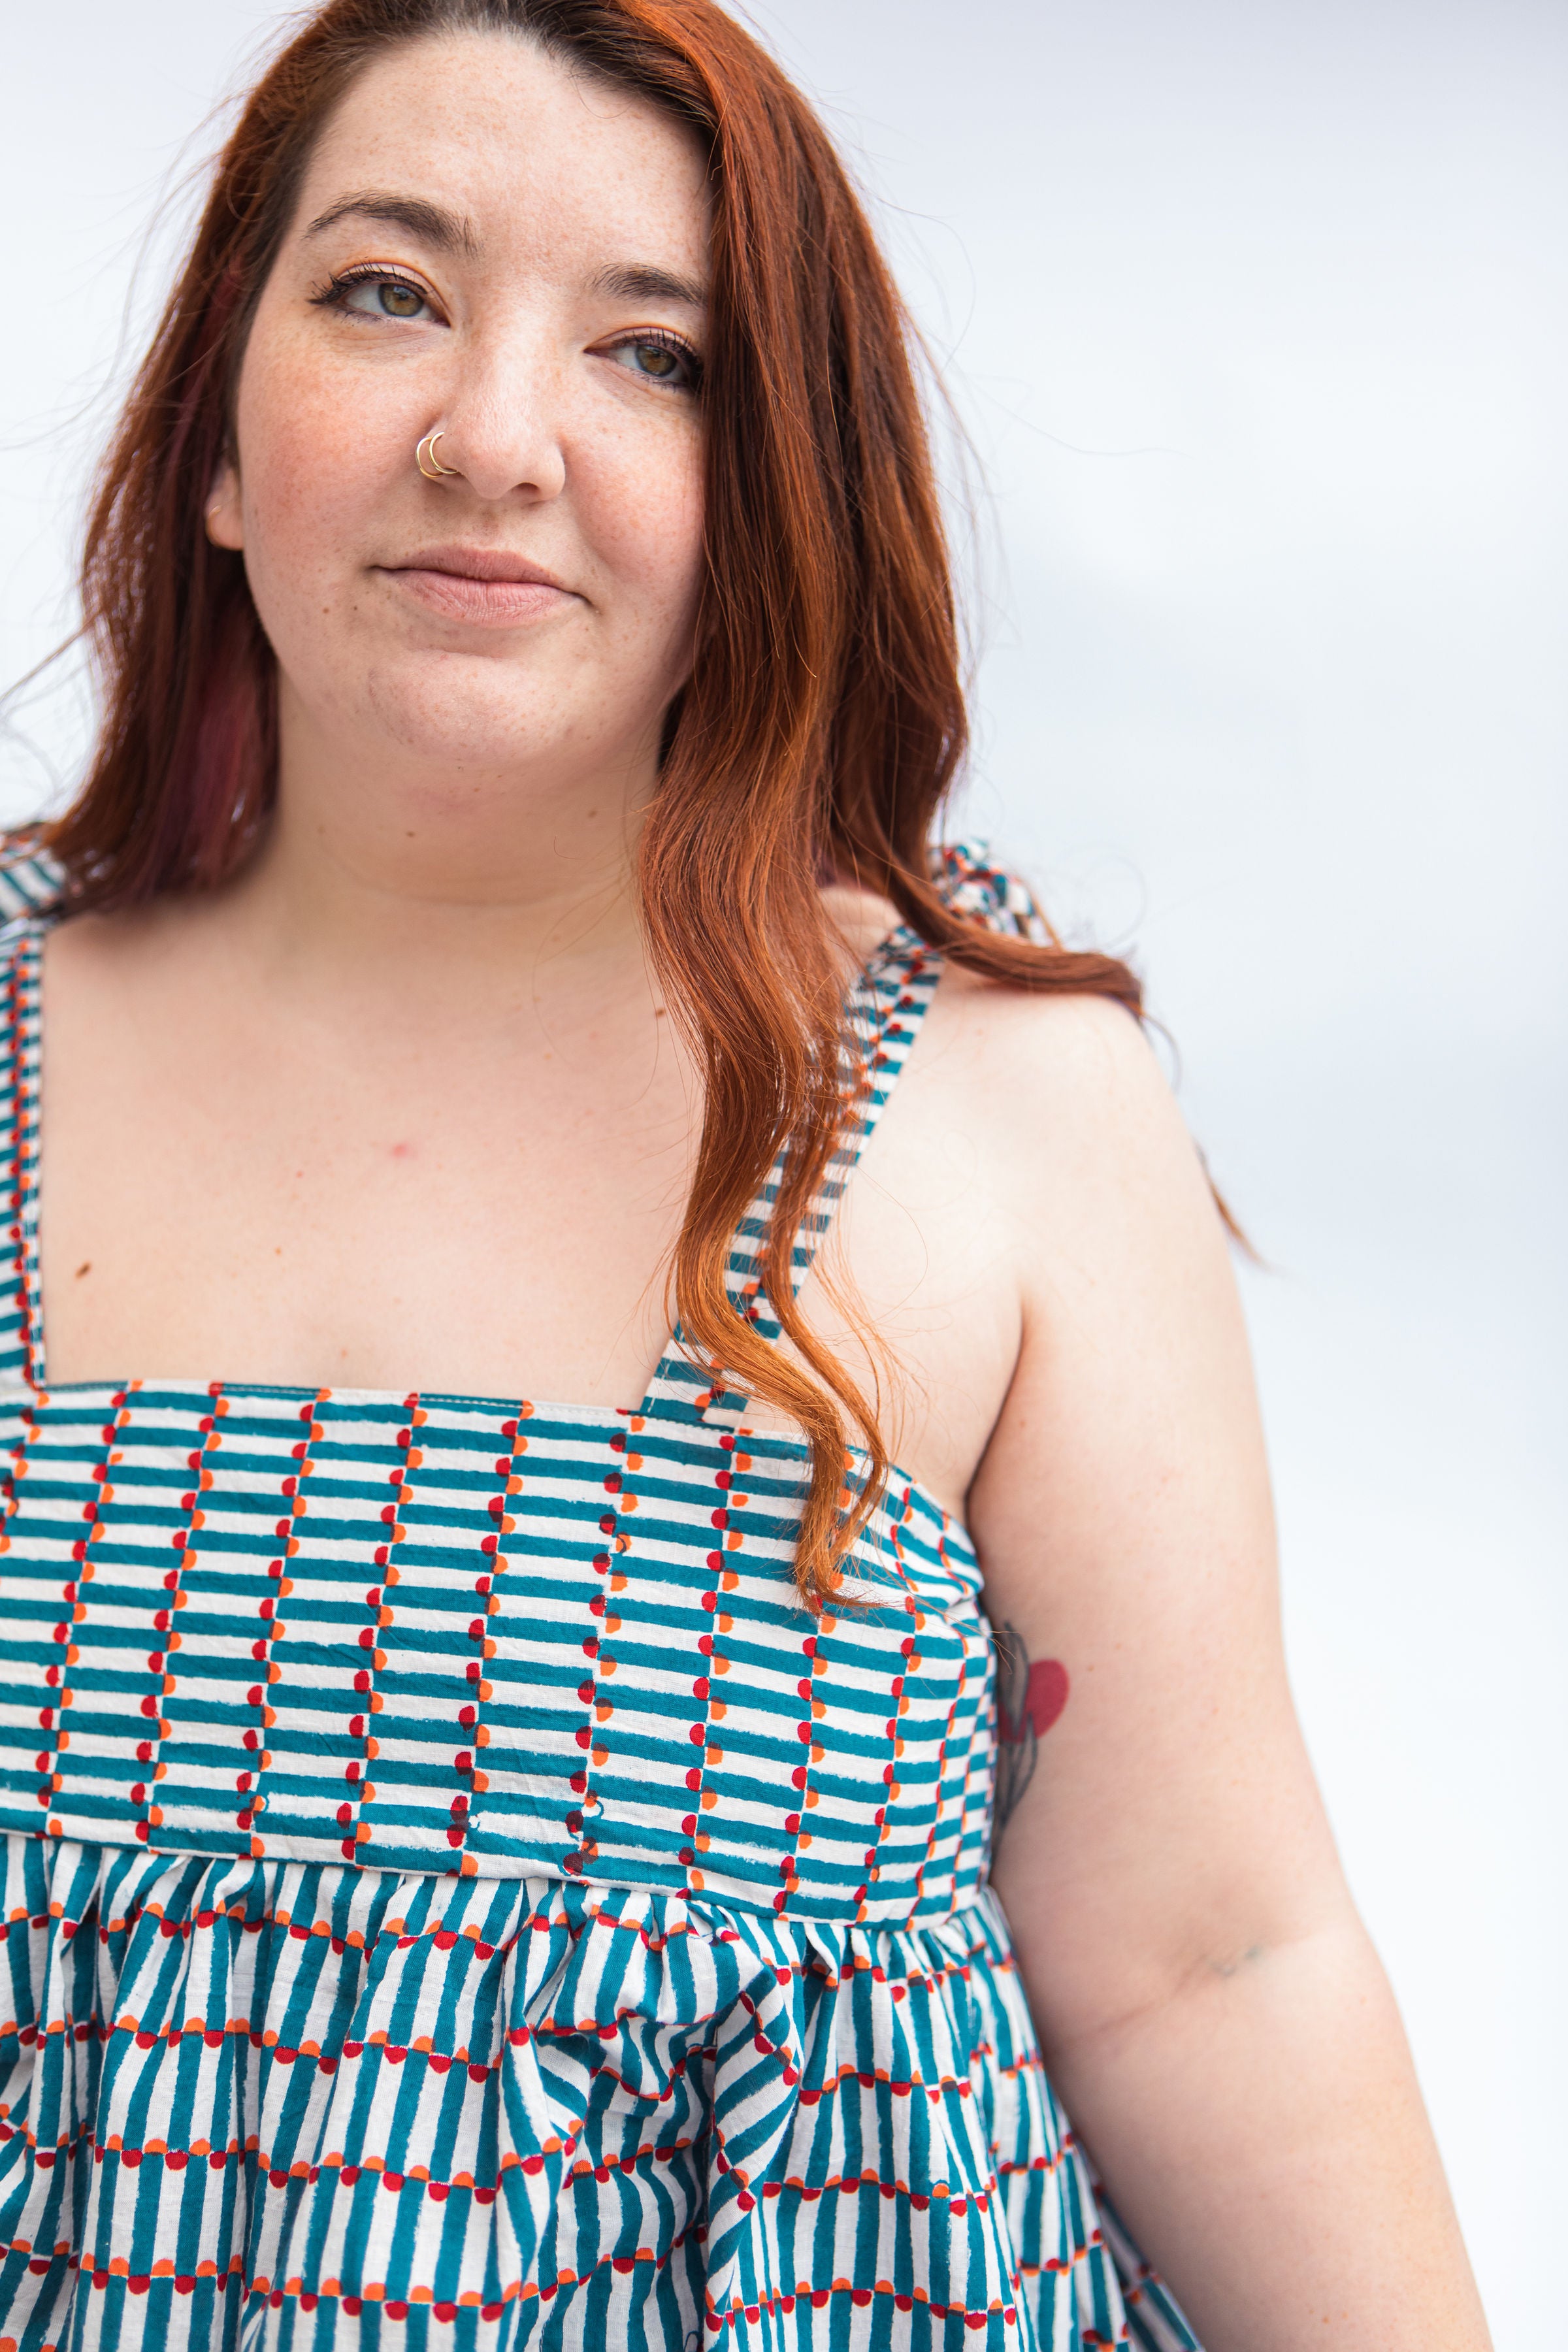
(658, 359)
(374, 296)
(398, 301)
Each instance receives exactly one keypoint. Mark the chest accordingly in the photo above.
(479, 1211)
(470, 1208)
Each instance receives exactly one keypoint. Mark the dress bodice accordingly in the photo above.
(476, 1635)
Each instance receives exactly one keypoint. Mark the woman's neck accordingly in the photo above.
(383, 875)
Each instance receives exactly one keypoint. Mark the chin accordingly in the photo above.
(469, 716)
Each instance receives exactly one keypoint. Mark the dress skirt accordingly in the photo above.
(283, 2104)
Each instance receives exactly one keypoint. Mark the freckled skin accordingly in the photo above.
(431, 913)
(432, 923)
(590, 473)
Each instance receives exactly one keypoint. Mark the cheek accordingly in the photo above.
(646, 512)
(316, 458)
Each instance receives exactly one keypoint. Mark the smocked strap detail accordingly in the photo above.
(984, 893)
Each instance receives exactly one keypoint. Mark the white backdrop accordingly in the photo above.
(1255, 312)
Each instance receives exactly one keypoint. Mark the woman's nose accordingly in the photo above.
(504, 425)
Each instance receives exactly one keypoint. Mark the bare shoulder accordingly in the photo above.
(1067, 1097)
(1077, 1068)
(1035, 1131)
(1048, 1039)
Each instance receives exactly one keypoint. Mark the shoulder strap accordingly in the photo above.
(31, 883)
(988, 895)
(31, 879)
(883, 1014)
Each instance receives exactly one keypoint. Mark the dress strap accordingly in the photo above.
(31, 882)
(883, 1014)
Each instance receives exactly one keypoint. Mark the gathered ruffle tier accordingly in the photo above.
(279, 2104)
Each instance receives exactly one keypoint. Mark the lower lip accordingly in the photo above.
(457, 596)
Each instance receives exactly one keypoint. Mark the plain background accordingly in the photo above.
(1254, 312)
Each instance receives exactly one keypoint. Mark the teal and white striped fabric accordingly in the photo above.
(458, 1896)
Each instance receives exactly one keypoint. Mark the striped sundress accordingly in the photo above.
(456, 1895)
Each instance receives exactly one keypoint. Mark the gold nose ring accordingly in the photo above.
(426, 460)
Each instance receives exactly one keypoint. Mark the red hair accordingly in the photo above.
(823, 720)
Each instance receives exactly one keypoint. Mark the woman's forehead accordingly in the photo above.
(511, 153)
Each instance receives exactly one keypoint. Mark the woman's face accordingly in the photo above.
(489, 245)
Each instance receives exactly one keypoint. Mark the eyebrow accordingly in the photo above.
(638, 281)
(445, 232)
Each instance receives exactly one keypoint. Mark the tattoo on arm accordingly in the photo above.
(1029, 1698)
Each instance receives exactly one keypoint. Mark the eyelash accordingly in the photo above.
(331, 297)
(368, 273)
(661, 338)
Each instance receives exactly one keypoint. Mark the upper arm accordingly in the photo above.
(1122, 1517)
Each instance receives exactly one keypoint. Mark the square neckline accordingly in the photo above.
(34, 928)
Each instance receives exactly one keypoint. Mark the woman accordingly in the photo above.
(488, 1871)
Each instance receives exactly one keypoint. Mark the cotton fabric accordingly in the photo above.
(456, 1892)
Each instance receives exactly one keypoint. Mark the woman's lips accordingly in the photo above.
(458, 596)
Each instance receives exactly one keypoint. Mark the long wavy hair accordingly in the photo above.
(824, 720)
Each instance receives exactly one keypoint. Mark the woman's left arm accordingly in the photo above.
(1209, 2005)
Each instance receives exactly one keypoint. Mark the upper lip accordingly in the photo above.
(480, 563)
